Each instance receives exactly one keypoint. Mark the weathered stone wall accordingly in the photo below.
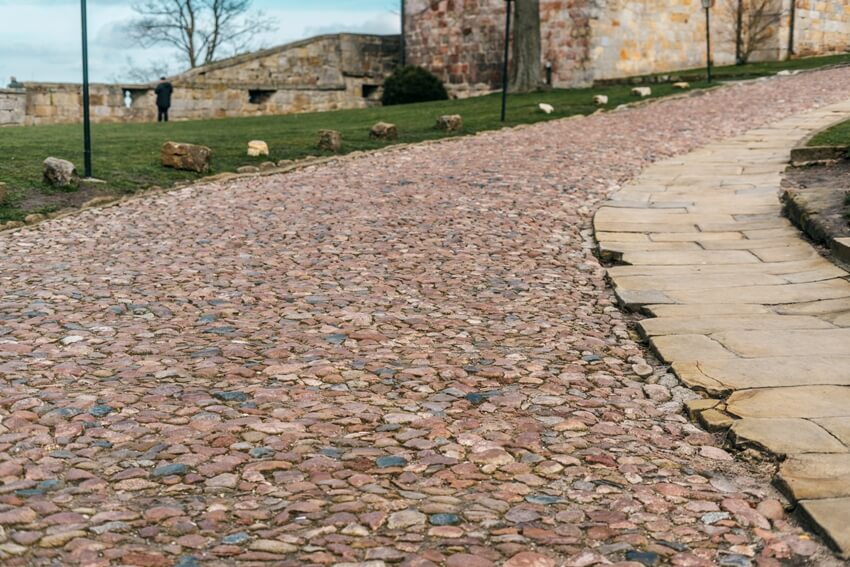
(654, 36)
(822, 26)
(13, 106)
(323, 73)
(585, 40)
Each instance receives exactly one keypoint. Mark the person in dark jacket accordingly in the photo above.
(163, 99)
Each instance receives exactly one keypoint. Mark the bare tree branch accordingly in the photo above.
(756, 24)
(201, 30)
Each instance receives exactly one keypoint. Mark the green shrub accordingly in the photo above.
(412, 84)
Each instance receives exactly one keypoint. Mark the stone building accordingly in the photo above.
(459, 40)
(587, 40)
(322, 73)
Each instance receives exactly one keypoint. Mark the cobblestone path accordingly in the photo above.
(409, 358)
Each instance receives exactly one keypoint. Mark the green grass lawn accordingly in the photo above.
(126, 156)
(838, 135)
(762, 68)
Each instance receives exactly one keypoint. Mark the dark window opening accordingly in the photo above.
(370, 90)
(132, 96)
(257, 96)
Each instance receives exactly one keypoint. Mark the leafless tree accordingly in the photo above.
(139, 73)
(201, 30)
(526, 49)
(756, 24)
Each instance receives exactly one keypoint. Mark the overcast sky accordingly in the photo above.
(40, 39)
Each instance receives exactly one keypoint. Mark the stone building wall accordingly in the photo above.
(323, 73)
(462, 41)
(822, 26)
(13, 105)
(586, 40)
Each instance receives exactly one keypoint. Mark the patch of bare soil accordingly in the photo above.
(817, 199)
(52, 200)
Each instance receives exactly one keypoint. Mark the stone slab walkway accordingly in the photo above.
(411, 358)
(744, 309)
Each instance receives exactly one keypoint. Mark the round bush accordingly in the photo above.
(412, 84)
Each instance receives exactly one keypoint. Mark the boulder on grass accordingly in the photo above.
(546, 108)
(450, 122)
(600, 100)
(682, 85)
(383, 131)
(642, 91)
(189, 157)
(257, 148)
(330, 140)
(60, 172)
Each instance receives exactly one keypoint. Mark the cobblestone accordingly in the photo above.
(339, 355)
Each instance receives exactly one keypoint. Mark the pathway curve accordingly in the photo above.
(743, 308)
(408, 358)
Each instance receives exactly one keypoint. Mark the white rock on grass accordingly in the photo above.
(600, 100)
(642, 91)
(547, 108)
(258, 148)
(682, 85)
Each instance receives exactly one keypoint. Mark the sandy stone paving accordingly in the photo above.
(410, 358)
(743, 308)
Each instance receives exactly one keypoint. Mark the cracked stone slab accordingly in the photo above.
(839, 427)
(708, 325)
(830, 517)
(688, 348)
(702, 309)
(823, 342)
(796, 401)
(785, 436)
(816, 475)
(704, 281)
(745, 373)
(767, 295)
(701, 257)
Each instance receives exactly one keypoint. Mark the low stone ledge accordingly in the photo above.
(807, 155)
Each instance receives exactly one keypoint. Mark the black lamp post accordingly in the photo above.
(792, 20)
(86, 115)
(707, 5)
(505, 62)
(403, 39)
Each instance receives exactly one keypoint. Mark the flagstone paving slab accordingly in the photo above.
(839, 427)
(708, 325)
(822, 342)
(816, 475)
(786, 436)
(753, 314)
(781, 371)
(831, 517)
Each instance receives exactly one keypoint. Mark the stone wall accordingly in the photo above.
(13, 106)
(586, 40)
(323, 73)
(822, 26)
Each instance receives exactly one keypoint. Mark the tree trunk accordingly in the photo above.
(739, 34)
(525, 74)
